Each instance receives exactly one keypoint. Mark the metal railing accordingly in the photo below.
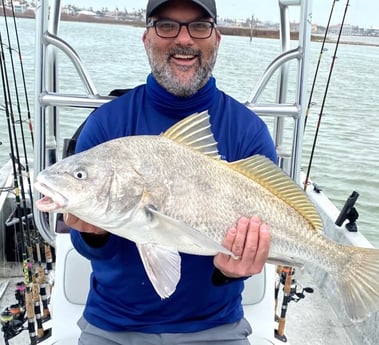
(281, 109)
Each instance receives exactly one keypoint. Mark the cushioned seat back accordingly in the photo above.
(78, 269)
(255, 288)
(76, 277)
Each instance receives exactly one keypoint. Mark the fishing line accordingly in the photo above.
(22, 219)
(12, 139)
(40, 292)
(17, 181)
(29, 118)
(31, 232)
(324, 97)
(20, 120)
(318, 64)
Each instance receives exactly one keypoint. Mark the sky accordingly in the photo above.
(363, 13)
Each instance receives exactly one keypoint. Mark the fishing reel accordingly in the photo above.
(12, 321)
(294, 294)
(13, 317)
(290, 293)
(19, 294)
(297, 296)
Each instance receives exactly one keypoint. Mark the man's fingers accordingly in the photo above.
(250, 242)
(257, 246)
(69, 219)
(76, 223)
(229, 238)
(240, 237)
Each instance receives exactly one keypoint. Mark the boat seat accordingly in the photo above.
(259, 306)
(71, 287)
(70, 290)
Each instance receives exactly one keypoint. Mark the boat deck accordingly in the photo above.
(312, 320)
(309, 322)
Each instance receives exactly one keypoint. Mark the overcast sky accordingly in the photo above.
(364, 13)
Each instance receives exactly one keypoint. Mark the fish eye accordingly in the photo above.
(80, 174)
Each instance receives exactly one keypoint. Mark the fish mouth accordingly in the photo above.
(52, 200)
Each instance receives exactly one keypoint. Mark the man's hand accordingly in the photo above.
(250, 241)
(78, 224)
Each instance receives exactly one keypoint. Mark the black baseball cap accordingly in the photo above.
(208, 5)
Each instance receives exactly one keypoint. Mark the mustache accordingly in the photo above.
(184, 51)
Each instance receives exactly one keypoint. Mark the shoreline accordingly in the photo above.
(225, 30)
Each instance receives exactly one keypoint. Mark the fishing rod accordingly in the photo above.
(13, 147)
(37, 237)
(19, 189)
(43, 294)
(29, 305)
(290, 293)
(286, 276)
(18, 103)
(322, 49)
(22, 70)
(35, 290)
(325, 95)
(39, 294)
(37, 308)
(17, 177)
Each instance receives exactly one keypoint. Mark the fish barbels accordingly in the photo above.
(172, 193)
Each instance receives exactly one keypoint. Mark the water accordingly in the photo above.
(346, 158)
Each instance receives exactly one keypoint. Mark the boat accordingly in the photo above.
(283, 305)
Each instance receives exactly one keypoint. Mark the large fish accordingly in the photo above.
(172, 193)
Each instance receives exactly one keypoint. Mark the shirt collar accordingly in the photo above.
(171, 105)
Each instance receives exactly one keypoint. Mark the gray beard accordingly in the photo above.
(163, 74)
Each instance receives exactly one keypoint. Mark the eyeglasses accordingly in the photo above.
(164, 28)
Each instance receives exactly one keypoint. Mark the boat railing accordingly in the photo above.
(50, 99)
(281, 110)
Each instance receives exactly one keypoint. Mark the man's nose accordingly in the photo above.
(184, 35)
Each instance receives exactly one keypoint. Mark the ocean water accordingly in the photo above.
(346, 156)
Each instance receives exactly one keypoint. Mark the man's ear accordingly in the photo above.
(144, 37)
(218, 36)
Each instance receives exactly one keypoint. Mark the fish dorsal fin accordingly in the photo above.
(270, 176)
(195, 131)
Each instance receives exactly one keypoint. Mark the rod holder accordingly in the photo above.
(349, 212)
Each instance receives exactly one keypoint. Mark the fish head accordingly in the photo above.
(91, 185)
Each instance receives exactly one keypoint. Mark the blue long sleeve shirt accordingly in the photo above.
(121, 297)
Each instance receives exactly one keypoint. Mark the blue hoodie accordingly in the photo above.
(121, 297)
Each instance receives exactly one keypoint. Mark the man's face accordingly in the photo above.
(182, 65)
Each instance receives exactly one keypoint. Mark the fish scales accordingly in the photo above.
(206, 194)
(172, 193)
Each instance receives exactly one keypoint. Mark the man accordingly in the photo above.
(181, 42)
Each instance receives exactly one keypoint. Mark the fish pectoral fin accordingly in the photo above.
(284, 261)
(162, 266)
(183, 237)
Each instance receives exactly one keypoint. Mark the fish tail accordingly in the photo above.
(359, 285)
